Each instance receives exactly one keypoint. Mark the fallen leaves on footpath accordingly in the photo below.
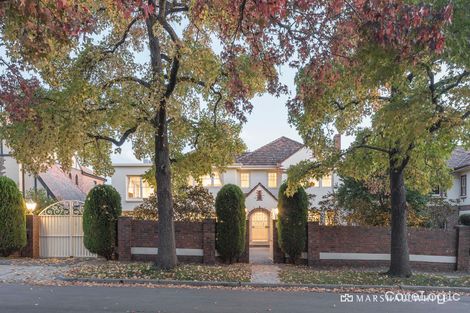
(138, 270)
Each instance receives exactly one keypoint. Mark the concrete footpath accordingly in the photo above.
(75, 299)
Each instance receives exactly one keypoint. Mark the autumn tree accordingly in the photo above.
(406, 74)
(83, 77)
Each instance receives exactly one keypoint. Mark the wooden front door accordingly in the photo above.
(260, 227)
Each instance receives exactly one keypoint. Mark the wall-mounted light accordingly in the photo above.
(275, 213)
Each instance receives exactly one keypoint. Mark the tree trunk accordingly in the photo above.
(400, 260)
(166, 228)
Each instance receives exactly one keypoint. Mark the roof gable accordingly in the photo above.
(272, 153)
(459, 158)
(60, 184)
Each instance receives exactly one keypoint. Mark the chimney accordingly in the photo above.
(337, 141)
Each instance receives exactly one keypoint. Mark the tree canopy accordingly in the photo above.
(409, 80)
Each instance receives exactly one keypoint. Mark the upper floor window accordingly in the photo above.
(211, 180)
(326, 181)
(138, 188)
(312, 182)
(76, 180)
(272, 180)
(463, 185)
(245, 180)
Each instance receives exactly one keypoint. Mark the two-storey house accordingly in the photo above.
(258, 173)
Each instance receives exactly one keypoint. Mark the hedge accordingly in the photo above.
(12, 217)
(100, 216)
(231, 222)
(464, 219)
(292, 222)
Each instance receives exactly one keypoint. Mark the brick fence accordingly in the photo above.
(430, 249)
(195, 241)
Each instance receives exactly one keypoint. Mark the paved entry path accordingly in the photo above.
(261, 273)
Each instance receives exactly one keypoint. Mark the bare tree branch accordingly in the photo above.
(117, 142)
(140, 81)
(123, 37)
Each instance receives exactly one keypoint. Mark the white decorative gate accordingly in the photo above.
(61, 232)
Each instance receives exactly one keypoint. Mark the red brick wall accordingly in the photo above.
(359, 239)
(463, 255)
(189, 235)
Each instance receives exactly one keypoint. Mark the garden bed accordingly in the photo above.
(138, 270)
(307, 275)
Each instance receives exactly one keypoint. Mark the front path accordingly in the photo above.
(265, 274)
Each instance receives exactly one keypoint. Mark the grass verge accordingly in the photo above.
(308, 275)
(137, 270)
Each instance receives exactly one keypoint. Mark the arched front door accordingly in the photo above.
(259, 224)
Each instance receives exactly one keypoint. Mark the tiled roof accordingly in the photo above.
(459, 158)
(60, 184)
(271, 154)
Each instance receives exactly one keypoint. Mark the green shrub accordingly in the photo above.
(190, 204)
(292, 222)
(464, 219)
(100, 215)
(12, 217)
(231, 222)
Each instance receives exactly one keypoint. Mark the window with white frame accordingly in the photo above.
(463, 185)
(326, 181)
(245, 180)
(211, 180)
(312, 182)
(272, 180)
(138, 188)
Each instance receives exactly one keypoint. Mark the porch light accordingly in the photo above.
(275, 212)
(30, 206)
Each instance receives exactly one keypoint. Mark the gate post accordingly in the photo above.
(313, 243)
(124, 238)
(31, 250)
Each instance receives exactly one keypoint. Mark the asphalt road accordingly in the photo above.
(19, 299)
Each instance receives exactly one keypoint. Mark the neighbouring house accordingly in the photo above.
(258, 173)
(459, 192)
(57, 183)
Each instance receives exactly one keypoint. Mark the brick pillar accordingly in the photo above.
(313, 243)
(463, 248)
(124, 238)
(31, 250)
(278, 255)
(208, 244)
(245, 257)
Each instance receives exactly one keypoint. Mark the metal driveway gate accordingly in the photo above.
(61, 232)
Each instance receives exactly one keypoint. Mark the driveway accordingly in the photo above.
(71, 299)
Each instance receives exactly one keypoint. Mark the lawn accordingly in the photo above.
(308, 275)
(139, 270)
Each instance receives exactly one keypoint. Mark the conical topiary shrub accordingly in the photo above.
(12, 217)
(292, 222)
(231, 222)
(100, 216)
